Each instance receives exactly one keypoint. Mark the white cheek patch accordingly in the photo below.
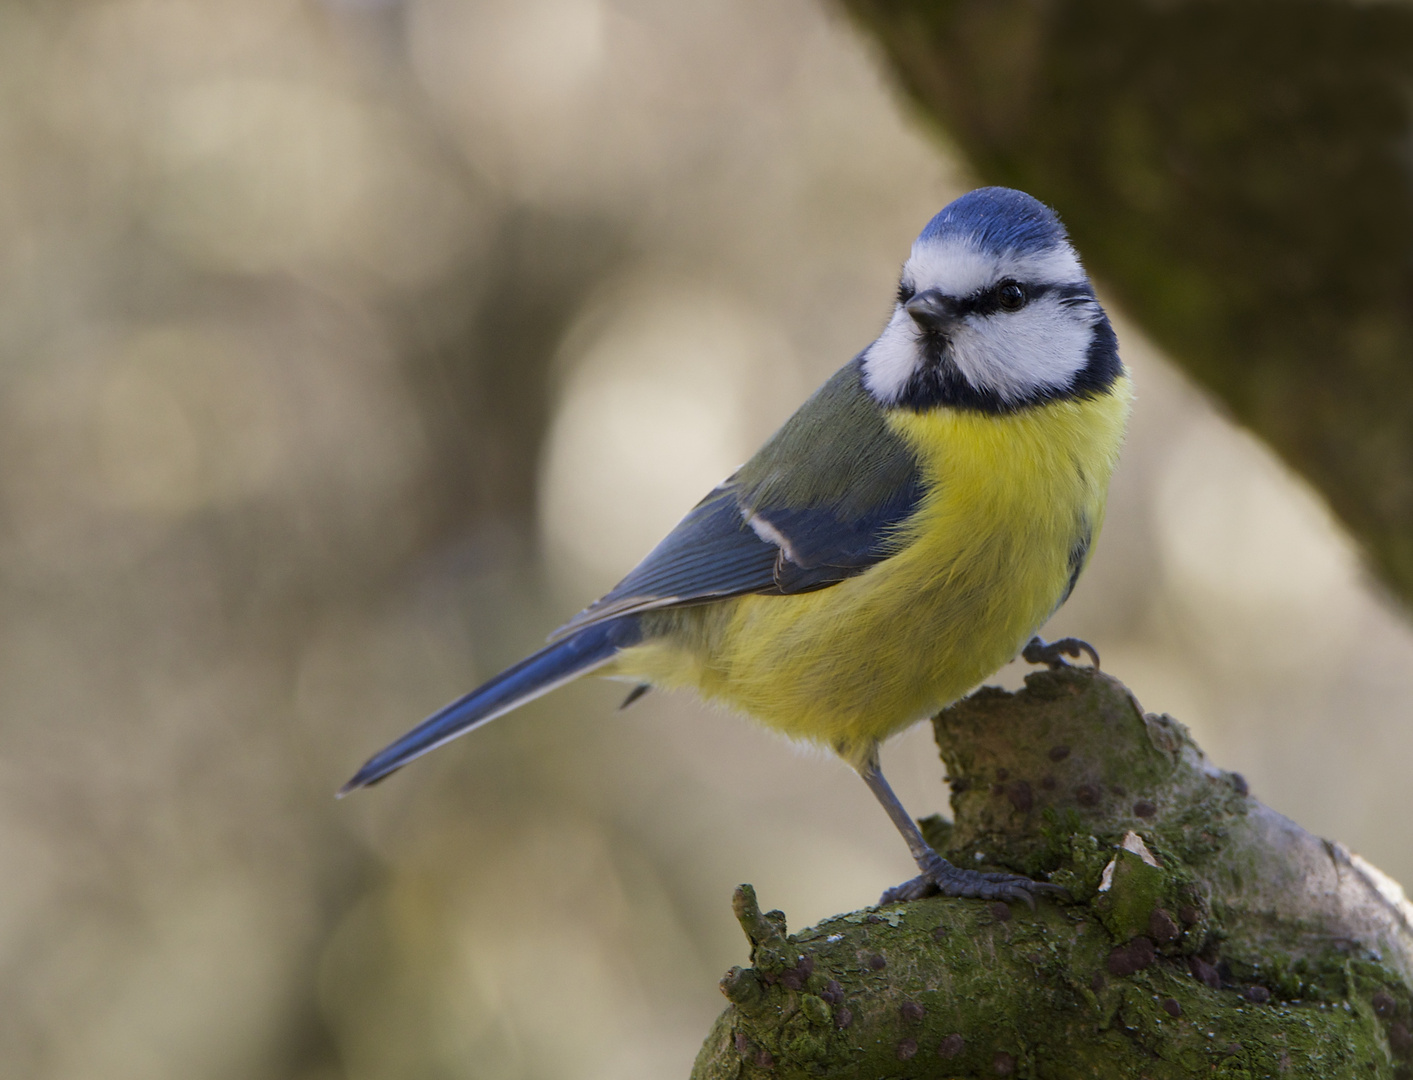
(957, 268)
(1015, 354)
(892, 359)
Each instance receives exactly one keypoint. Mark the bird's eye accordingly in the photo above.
(1010, 295)
(905, 292)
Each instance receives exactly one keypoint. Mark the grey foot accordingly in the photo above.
(1039, 651)
(943, 878)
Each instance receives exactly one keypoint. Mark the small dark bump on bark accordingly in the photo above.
(1189, 915)
(907, 1048)
(1172, 1008)
(939, 933)
(1022, 798)
(765, 1059)
(1257, 995)
(1086, 795)
(743, 1044)
(1204, 972)
(1097, 983)
(912, 1012)
(1001, 912)
(959, 784)
(1399, 1038)
(951, 1046)
(1239, 782)
(1003, 1063)
(1047, 782)
(1119, 790)
(877, 962)
(1131, 958)
(832, 992)
(1059, 753)
(843, 1018)
(1144, 809)
(1161, 927)
(795, 978)
(1384, 1004)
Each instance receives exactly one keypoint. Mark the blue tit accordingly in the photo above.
(901, 537)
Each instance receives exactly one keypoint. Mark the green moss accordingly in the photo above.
(1129, 904)
(1036, 987)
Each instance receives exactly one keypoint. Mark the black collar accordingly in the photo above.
(940, 383)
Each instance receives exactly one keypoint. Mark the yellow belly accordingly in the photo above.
(982, 564)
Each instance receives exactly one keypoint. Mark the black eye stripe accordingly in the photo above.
(988, 301)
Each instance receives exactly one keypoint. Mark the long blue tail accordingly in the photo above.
(546, 670)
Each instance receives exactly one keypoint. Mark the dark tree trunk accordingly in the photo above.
(1238, 175)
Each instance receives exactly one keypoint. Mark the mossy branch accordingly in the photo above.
(1205, 935)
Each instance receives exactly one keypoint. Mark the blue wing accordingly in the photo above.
(799, 516)
(820, 502)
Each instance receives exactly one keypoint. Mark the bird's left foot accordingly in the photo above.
(1039, 651)
(941, 877)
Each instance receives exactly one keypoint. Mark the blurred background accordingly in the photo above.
(348, 348)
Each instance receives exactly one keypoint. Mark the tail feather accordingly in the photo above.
(538, 674)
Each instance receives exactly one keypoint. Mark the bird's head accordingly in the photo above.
(994, 313)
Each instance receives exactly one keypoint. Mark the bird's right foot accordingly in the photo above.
(1053, 653)
(942, 878)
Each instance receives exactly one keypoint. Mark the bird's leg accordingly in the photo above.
(1039, 651)
(938, 875)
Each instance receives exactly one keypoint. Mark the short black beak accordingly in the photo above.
(933, 312)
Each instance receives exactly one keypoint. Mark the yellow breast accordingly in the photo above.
(982, 564)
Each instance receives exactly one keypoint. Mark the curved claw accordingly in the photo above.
(1039, 651)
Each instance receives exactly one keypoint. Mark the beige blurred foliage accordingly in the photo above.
(346, 350)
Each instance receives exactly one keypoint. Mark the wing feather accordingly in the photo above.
(711, 553)
(820, 502)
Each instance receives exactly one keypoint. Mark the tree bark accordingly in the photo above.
(1237, 176)
(1204, 934)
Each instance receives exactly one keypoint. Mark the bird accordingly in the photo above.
(902, 536)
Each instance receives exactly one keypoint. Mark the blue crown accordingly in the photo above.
(997, 219)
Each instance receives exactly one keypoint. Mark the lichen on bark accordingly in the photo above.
(1204, 934)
